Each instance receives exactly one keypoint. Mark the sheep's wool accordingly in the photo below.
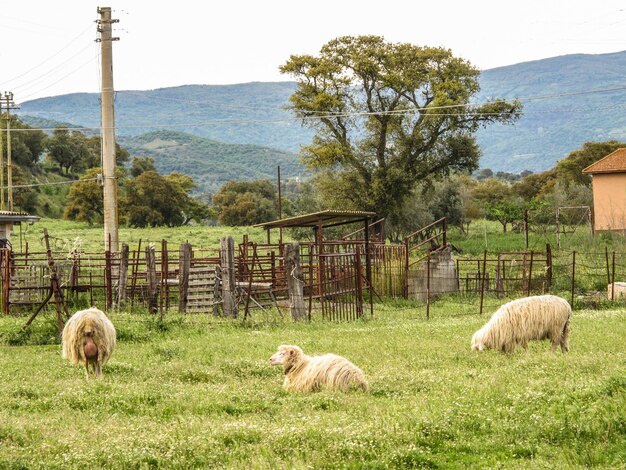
(102, 333)
(311, 373)
(522, 320)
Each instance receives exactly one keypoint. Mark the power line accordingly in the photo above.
(62, 78)
(402, 112)
(50, 71)
(523, 99)
(4, 84)
(48, 184)
(576, 93)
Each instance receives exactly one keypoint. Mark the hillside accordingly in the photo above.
(252, 113)
(211, 163)
(204, 110)
(552, 127)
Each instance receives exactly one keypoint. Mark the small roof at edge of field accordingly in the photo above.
(11, 216)
(325, 218)
(614, 162)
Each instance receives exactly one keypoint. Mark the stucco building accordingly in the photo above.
(609, 191)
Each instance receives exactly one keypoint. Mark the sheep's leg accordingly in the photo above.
(97, 369)
(555, 340)
(87, 370)
(556, 337)
(565, 337)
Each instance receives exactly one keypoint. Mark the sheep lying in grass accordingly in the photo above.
(89, 338)
(311, 373)
(522, 320)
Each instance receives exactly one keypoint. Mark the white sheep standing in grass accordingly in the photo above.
(522, 320)
(311, 373)
(89, 338)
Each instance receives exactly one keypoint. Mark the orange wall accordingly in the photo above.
(609, 201)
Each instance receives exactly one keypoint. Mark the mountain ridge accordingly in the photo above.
(562, 110)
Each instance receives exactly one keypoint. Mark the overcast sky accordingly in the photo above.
(47, 47)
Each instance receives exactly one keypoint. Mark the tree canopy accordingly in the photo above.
(152, 200)
(140, 165)
(389, 114)
(26, 147)
(73, 151)
(245, 202)
(68, 148)
(570, 169)
(85, 200)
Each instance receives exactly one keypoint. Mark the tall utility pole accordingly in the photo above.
(8, 97)
(105, 28)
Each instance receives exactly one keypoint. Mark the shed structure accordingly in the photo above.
(326, 260)
(609, 191)
(8, 219)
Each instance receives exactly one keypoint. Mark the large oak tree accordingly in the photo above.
(389, 114)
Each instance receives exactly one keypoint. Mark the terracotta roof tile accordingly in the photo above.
(613, 163)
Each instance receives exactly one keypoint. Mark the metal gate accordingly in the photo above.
(341, 286)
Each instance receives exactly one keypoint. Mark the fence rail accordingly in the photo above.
(334, 284)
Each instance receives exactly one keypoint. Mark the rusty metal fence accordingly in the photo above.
(338, 284)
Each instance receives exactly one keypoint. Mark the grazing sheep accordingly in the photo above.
(89, 338)
(310, 373)
(620, 291)
(522, 320)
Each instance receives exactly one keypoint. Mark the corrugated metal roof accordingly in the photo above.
(11, 216)
(614, 162)
(325, 218)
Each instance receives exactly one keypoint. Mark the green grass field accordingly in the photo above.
(483, 235)
(63, 235)
(197, 392)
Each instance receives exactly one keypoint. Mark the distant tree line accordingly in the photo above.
(147, 198)
(43, 162)
(460, 197)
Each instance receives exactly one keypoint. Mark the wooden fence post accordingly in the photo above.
(164, 290)
(530, 273)
(608, 271)
(152, 279)
(613, 279)
(295, 284)
(123, 275)
(184, 267)
(227, 254)
(573, 275)
(108, 278)
(216, 290)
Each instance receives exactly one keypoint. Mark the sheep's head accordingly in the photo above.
(89, 327)
(478, 343)
(286, 355)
